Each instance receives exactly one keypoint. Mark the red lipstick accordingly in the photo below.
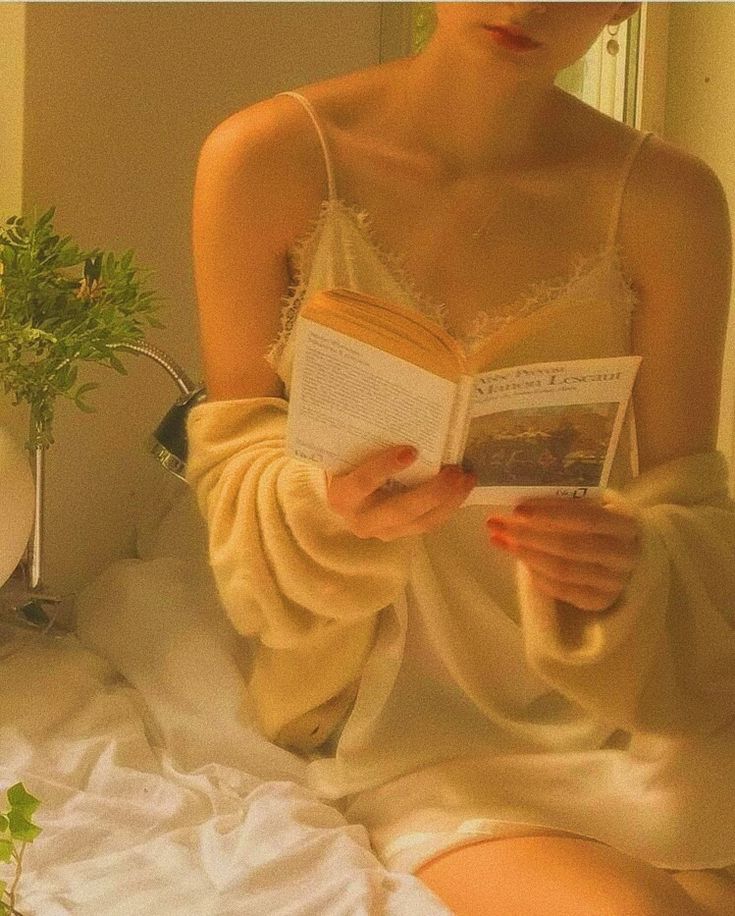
(512, 38)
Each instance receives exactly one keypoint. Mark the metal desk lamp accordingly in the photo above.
(25, 593)
(168, 442)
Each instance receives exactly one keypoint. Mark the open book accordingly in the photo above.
(369, 373)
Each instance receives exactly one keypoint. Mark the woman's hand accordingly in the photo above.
(580, 552)
(369, 513)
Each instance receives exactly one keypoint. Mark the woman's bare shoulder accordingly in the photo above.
(676, 197)
(671, 195)
(665, 172)
(269, 139)
(660, 167)
(274, 140)
(679, 239)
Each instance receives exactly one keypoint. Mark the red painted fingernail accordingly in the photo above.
(496, 522)
(499, 540)
(406, 455)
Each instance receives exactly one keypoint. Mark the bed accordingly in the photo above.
(157, 796)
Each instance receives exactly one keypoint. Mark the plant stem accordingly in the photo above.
(18, 868)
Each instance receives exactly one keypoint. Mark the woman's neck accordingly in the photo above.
(478, 114)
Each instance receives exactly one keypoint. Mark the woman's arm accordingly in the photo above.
(678, 233)
(677, 238)
(290, 574)
(632, 614)
(251, 199)
(303, 564)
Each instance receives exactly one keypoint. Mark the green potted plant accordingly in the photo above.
(60, 307)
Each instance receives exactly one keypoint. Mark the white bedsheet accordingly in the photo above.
(157, 798)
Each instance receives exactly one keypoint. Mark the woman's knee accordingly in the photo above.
(552, 876)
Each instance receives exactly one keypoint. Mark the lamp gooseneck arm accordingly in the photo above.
(168, 443)
(143, 348)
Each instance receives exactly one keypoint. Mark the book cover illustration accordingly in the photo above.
(560, 446)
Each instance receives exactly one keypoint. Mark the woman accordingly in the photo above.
(533, 712)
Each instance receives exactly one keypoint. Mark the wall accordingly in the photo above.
(652, 69)
(12, 67)
(700, 117)
(118, 99)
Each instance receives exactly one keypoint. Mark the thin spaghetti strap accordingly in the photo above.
(624, 174)
(614, 224)
(327, 159)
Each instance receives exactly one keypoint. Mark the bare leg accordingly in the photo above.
(553, 876)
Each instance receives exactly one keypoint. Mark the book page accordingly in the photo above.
(547, 429)
(348, 399)
(389, 326)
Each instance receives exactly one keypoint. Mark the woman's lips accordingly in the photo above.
(514, 40)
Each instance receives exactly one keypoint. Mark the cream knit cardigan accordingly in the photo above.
(289, 572)
(307, 593)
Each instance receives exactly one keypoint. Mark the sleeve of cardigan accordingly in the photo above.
(662, 658)
(289, 572)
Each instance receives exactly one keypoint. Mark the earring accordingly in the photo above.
(612, 45)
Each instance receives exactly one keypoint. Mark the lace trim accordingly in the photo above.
(301, 251)
(394, 264)
(485, 323)
(542, 293)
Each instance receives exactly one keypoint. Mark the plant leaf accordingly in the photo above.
(59, 306)
(82, 405)
(21, 800)
(46, 218)
(21, 828)
(6, 850)
(117, 365)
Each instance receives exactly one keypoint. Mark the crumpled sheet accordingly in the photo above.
(157, 798)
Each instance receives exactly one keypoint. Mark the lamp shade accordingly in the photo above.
(17, 503)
